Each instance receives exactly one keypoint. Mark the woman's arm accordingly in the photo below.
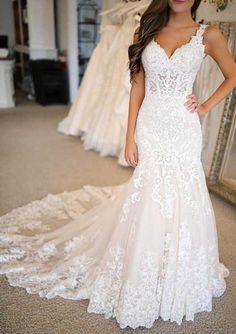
(136, 97)
(216, 46)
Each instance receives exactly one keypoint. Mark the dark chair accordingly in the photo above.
(50, 81)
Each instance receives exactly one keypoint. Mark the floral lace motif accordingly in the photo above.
(172, 76)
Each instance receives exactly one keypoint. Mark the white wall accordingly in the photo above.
(7, 21)
(41, 29)
(72, 42)
(208, 11)
(62, 24)
(68, 39)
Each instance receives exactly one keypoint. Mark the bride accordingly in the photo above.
(147, 248)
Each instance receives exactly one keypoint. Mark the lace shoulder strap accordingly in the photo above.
(200, 32)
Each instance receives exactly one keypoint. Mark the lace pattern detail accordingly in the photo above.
(172, 76)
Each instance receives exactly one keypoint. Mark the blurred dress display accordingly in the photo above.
(99, 112)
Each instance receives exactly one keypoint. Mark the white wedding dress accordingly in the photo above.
(143, 249)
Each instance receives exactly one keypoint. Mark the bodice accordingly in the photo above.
(173, 76)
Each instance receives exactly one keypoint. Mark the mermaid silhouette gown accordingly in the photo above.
(143, 249)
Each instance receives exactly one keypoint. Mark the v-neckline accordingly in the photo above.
(180, 47)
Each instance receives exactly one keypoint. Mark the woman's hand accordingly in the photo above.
(131, 153)
(193, 104)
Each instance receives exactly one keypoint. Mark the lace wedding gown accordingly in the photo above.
(143, 249)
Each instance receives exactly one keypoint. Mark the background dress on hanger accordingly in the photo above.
(82, 110)
(99, 113)
(141, 250)
(105, 131)
(122, 106)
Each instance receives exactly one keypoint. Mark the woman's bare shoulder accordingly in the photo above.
(213, 37)
(213, 34)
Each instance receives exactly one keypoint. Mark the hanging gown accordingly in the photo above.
(83, 108)
(143, 249)
(121, 105)
(105, 131)
(99, 112)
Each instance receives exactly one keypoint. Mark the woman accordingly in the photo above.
(147, 248)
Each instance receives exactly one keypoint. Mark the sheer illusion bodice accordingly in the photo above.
(173, 75)
(141, 250)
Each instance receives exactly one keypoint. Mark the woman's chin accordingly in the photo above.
(180, 5)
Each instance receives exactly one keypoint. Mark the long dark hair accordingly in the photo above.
(152, 21)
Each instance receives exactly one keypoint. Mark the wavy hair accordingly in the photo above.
(152, 21)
